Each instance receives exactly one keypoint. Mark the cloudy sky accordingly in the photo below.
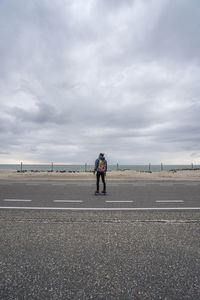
(115, 76)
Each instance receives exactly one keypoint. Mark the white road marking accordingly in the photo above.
(166, 184)
(78, 201)
(170, 201)
(113, 184)
(119, 201)
(17, 200)
(119, 183)
(58, 184)
(85, 184)
(100, 208)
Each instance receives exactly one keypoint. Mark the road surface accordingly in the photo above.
(80, 195)
(59, 241)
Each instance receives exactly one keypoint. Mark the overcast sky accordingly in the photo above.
(115, 76)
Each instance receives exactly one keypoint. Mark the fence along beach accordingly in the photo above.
(84, 172)
(53, 167)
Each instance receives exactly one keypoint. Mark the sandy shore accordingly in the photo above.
(114, 175)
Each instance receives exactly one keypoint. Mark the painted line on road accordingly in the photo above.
(165, 183)
(119, 183)
(85, 184)
(192, 183)
(58, 184)
(169, 201)
(99, 208)
(17, 200)
(119, 201)
(70, 201)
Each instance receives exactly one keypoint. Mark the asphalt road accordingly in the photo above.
(77, 253)
(80, 195)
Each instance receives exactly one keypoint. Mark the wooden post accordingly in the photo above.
(117, 166)
(21, 166)
(52, 167)
(85, 167)
(149, 167)
(161, 167)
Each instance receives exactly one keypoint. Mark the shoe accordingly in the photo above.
(97, 192)
(103, 192)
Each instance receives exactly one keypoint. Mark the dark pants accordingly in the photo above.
(102, 175)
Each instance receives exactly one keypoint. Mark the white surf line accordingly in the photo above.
(99, 208)
(169, 201)
(119, 201)
(70, 201)
(17, 200)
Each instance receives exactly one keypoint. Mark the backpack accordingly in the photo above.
(102, 165)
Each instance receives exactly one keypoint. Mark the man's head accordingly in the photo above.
(101, 155)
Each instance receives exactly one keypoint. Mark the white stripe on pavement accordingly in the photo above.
(100, 208)
(170, 201)
(58, 184)
(68, 201)
(119, 201)
(17, 200)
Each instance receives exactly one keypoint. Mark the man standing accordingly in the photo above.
(101, 169)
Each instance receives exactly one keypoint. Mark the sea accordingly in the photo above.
(89, 168)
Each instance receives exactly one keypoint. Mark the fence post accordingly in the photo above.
(52, 167)
(161, 167)
(21, 166)
(117, 166)
(149, 167)
(85, 167)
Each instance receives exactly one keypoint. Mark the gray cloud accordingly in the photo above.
(80, 77)
(177, 36)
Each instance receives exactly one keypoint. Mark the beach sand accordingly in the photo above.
(129, 175)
